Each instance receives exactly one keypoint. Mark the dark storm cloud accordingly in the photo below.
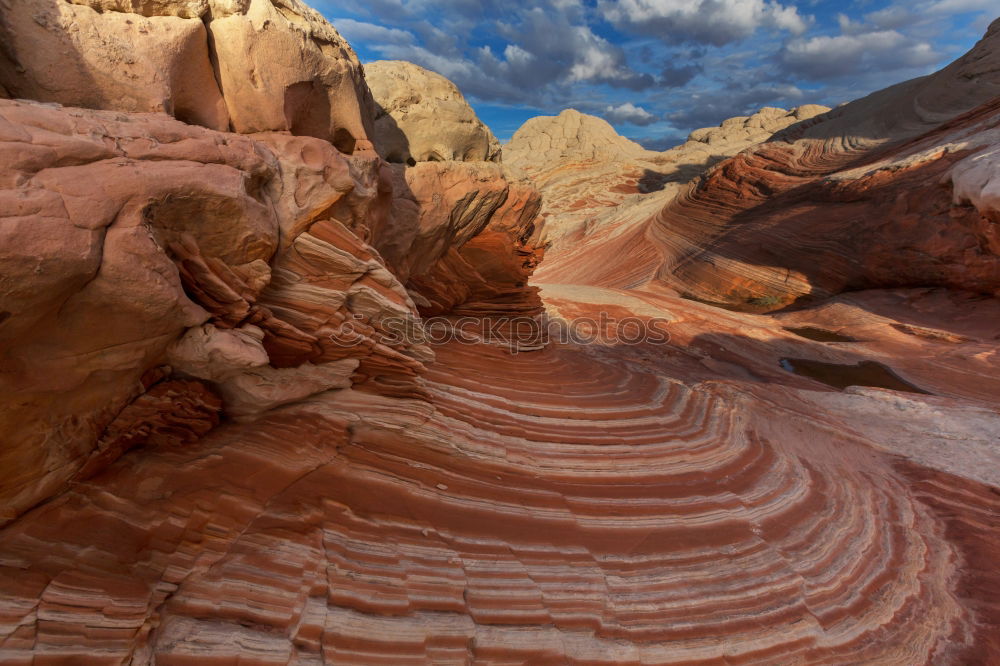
(674, 76)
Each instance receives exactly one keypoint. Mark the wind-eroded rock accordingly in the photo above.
(423, 117)
(874, 194)
(591, 176)
(281, 66)
(462, 236)
(90, 296)
(244, 65)
(120, 232)
(734, 521)
(545, 141)
(81, 55)
(709, 144)
(238, 264)
(791, 233)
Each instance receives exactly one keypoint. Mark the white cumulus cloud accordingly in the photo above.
(715, 22)
(827, 57)
(369, 32)
(629, 113)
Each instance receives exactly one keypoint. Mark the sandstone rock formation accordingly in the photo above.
(813, 224)
(587, 172)
(365, 529)
(861, 197)
(709, 144)
(149, 270)
(98, 283)
(230, 436)
(545, 141)
(246, 65)
(423, 117)
(438, 236)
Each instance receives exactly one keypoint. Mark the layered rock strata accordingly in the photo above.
(643, 512)
(590, 176)
(103, 285)
(814, 212)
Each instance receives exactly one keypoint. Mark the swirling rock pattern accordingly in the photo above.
(874, 194)
(103, 285)
(589, 174)
(782, 224)
(568, 506)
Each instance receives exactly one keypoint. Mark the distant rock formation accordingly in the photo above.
(586, 170)
(817, 211)
(422, 117)
(571, 136)
(740, 132)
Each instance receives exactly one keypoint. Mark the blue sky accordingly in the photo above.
(657, 69)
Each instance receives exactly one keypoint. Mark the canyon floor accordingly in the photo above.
(585, 503)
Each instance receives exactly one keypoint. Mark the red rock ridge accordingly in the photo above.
(824, 207)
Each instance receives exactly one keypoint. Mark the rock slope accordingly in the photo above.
(587, 172)
(866, 196)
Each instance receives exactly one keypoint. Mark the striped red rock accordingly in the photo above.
(577, 505)
(868, 196)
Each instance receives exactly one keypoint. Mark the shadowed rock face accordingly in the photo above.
(799, 225)
(217, 447)
(102, 283)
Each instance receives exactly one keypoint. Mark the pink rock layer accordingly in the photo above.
(569, 506)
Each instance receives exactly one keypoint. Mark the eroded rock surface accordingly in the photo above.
(244, 65)
(103, 285)
(591, 176)
(857, 198)
(423, 117)
(91, 296)
(515, 506)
